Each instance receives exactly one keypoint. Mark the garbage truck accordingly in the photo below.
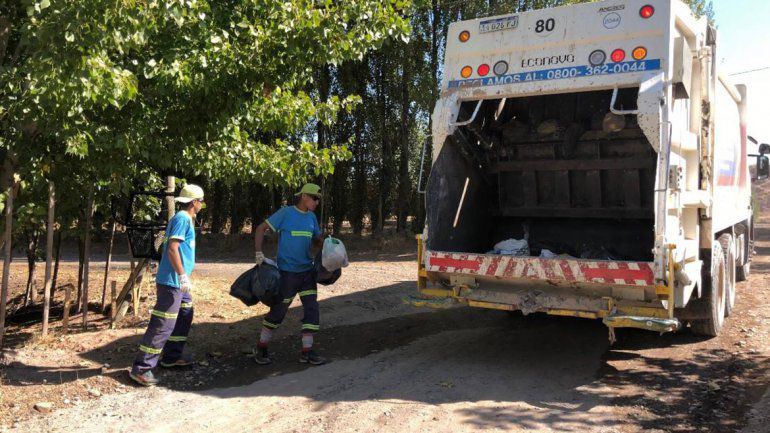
(590, 161)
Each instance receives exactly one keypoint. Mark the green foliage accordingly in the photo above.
(113, 94)
(181, 86)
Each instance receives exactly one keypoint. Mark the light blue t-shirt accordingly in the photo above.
(297, 230)
(180, 227)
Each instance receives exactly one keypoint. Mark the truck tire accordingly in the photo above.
(728, 247)
(742, 270)
(711, 304)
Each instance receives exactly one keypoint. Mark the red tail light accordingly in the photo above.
(647, 11)
(483, 69)
(618, 55)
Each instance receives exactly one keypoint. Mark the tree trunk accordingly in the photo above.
(384, 175)
(237, 214)
(87, 254)
(48, 255)
(8, 240)
(107, 265)
(30, 296)
(169, 199)
(81, 256)
(428, 162)
(404, 181)
(218, 210)
(56, 264)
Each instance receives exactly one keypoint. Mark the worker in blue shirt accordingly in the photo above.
(172, 314)
(298, 231)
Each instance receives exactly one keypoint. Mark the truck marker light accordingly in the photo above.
(647, 11)
(464, 36)
(597, 58)
(640, 53)
(500, 68)
(483, 69)
(466, 71)
(618, 55)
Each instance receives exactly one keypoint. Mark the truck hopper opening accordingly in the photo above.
(557, 169)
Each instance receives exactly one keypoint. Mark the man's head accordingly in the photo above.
(191, 198)
(309, 196)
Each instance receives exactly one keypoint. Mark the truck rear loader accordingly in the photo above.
(604, 137)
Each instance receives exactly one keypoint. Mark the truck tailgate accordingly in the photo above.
(570, 271)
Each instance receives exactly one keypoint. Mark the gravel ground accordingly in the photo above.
(397, 368)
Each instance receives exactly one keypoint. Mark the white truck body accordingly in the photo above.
(529, 139)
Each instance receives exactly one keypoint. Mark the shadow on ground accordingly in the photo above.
(562, 366)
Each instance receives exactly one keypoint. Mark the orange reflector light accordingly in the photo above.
(640, 53)
(466, 71)
(618, 55)
(647, 11)
(483, 69)
(465, 35)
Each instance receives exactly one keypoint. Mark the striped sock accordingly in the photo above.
(307, 342)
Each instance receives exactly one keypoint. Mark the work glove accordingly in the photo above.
(259, 257)
(184, 283)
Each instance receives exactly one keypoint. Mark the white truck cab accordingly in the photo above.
(603, 135)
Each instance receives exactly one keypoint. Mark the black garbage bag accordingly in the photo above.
(323, 276)
(258, 284)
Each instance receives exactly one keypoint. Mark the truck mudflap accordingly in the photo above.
(575, 271)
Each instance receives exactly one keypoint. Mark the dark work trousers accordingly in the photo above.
(170, 322)
(290, 284)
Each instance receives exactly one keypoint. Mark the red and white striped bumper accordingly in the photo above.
(638, 274)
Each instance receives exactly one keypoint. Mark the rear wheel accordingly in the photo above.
(742, 272)
(711, 305)
(728, 248)
(746, 244)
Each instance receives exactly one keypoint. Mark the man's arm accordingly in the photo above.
(174, 257)
(259, 236)
(176, 263)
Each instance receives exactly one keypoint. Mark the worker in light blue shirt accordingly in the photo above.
(172, 314)
(298, 229)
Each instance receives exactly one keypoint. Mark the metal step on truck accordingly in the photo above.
(590, 161)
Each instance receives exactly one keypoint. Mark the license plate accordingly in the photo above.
(505, 23)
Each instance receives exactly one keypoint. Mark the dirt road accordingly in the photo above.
(399, 369)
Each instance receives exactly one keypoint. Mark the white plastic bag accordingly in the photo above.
(333, 255)
(513, 247)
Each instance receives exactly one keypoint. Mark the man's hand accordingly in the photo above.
(259, 257)
(184, 283)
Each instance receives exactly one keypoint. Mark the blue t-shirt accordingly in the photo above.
(180, 227)
(296, 229)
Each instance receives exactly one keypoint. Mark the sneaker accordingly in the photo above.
(145, 378)
(310, 357)
(184, 361)
(262, 356)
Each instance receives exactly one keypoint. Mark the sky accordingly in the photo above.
(743, 44)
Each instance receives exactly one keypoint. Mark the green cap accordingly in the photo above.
(310, 189)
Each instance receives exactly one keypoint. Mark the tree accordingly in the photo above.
(110, 95)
